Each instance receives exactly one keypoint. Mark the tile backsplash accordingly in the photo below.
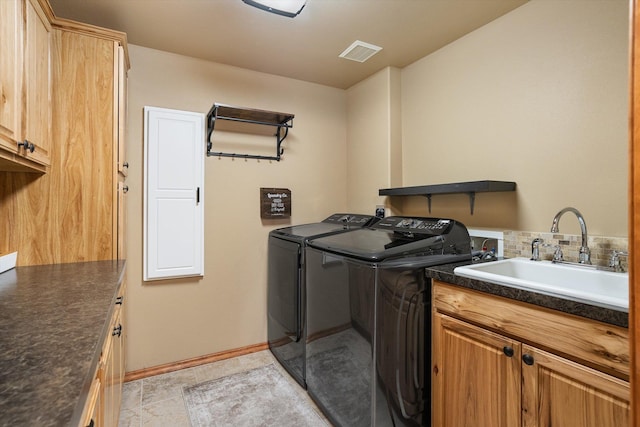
(518, 244)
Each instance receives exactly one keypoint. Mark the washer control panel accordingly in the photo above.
(415, 224)
(351, 219)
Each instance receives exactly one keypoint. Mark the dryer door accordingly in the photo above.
(283, 284)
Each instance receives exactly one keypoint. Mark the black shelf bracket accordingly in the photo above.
(472, 200)
(251, 117)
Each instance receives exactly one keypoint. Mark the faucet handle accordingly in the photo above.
(614, 260)
(535, 249)
(558, 255)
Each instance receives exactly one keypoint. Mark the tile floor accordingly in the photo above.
(157, 401)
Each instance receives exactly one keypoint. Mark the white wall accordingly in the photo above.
(540, 97)
(175, 320)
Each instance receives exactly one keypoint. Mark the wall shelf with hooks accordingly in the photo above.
(470, 188)
(246, 120)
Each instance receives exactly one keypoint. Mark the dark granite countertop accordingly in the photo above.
(613, 317)
(53, 319)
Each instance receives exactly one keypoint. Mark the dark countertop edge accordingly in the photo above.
(600, 314)
(90, 376)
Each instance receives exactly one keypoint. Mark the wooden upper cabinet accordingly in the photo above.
(37, 82)
(73, 212)
(10, 73)
(121, 113)
(121, 226)
(25, 86)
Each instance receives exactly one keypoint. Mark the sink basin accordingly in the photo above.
(582, 284)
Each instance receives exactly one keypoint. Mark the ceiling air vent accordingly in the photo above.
(360, 51)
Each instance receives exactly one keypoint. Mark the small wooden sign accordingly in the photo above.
(275, 203)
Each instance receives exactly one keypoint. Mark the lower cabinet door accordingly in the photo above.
(91, 416)
(476, 376)
(106, 412)
(558, 392)
(117, 363)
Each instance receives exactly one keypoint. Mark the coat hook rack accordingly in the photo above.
(281, 121)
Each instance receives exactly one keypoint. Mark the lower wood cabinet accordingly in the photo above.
(483, 377)
(103, 403)
(91, 417)
(559, 392)
(474, 383)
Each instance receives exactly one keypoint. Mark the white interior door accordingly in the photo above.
(174, 190)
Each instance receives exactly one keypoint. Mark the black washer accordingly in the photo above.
(368, 319)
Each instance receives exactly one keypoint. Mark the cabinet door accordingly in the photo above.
(10, 73)
(118, 354)
(121, 113)
(37, 80)
(117, 370)
(107, 401)
(558, 392)
(121, 219)
(476, 376)
(91, 415)
(174, 183)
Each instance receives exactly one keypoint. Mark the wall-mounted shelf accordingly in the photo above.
(470, 188)
(245, 119)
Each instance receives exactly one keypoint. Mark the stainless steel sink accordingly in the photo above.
(576, 283)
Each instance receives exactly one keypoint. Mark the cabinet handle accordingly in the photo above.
(117, 331)
(527, 359)
(508, 351)
(125, 165)
(119, 300)
(28, 146)
(125, 189)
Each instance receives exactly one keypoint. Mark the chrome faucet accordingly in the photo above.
(585, 253)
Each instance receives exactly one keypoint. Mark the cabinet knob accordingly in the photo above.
(527, 359)
(125, 188)
(508, 351)
(125, 165)
(28, 146)
(119, 300)
(117, 331)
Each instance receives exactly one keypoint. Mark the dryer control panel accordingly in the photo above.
(433, 226)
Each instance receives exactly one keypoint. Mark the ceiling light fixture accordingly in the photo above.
(289, 8)
(360, 51)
